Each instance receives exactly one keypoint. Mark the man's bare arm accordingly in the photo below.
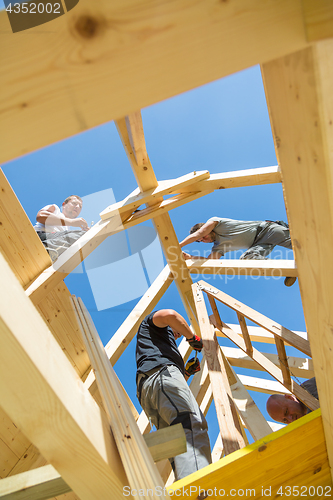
(169, 317)
(206, 229)
(47, 216)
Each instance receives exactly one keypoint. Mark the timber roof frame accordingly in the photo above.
(297, 68)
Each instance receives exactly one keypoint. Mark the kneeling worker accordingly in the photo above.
(162, 389)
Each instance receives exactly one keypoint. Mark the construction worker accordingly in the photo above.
(162, 389)
(53, 225)
(257, 237)
(287, 408)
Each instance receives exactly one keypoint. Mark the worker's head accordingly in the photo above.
(209, 238)
(72, 206)
(285, 408)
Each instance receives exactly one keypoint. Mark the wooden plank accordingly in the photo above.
(274, 371)
(262, 385)
(283, 361)
(166, 443)
(127, 331)
(31, 459)
(19, 242)
(225, 408)
(238, 178)
(258, 318)
(245, 333)
(258, 334)
(299, 367)
(171, 186)
(236, 267)
(318, 19)
(74, 97)
(38, 484)
(247, 409)
(51, 406)
(295, 456)
(137, 461)
(59, 316)
(303, 82)
(146, 179)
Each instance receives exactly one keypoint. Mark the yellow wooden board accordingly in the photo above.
(295, 456)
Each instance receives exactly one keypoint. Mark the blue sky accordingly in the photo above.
(219, 127)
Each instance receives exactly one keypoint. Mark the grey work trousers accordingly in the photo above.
(167, 400)
(61, 240)
(271, 235)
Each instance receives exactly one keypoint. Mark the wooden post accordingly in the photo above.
(225, 408)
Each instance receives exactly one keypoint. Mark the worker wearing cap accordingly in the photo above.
(162, 389)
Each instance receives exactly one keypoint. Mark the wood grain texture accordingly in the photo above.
(51, 406)
(59, 88)
(258, 318)
(293, 456)
(303, 134)
(19, 242)
(225, 407)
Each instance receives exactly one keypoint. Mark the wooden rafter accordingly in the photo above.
(146, 179)
(278, 331)
(303, 134)
(191, 32)
(274, 371)
(54, 391)
(225, 407)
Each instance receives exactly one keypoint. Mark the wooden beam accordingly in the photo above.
(258, 334)
(172, 186)
(247, 409)
(262, 385)
(137, 461)
(146, 179)
(225, 408)
(303, 132)
(51, 405)
(127, 331)
(166, 443)
(74, 99)
(38, 484)
(238, 178)
(281, 456)
(318, 19)
(19, 242)
(236, 267)
(270, 325)
(275, 372)
(299, 367)
(245, 333)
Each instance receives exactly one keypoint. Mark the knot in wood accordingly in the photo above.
(262, 448)
(88, 27)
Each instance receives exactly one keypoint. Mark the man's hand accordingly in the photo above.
(192, 367)
(80, 222)
(196, 343)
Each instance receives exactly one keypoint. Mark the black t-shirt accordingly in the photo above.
(156, 347)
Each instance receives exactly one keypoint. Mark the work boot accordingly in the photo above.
(290, 280)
